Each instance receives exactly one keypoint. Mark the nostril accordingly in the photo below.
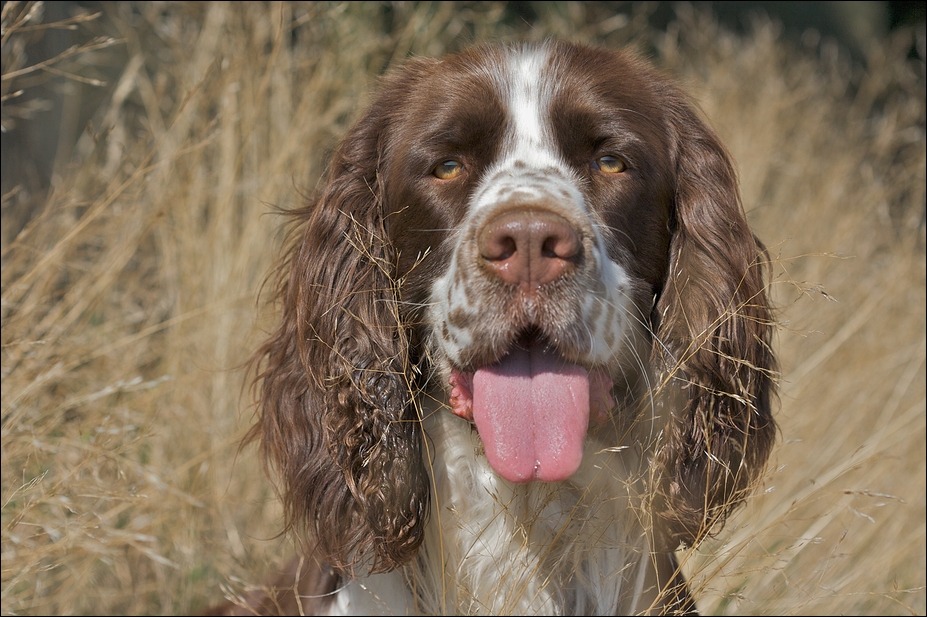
(561, 245)
(497, 245)
(549, 249)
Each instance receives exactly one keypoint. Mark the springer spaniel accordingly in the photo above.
(524, 352)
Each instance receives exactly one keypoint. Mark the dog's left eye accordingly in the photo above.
(609, 164)
(447, 170)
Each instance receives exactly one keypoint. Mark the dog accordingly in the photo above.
(525, 346)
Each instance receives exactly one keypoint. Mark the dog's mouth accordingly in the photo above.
(532, 409)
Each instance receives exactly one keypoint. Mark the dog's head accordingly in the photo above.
(544, 235)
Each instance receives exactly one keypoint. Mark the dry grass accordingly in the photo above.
(129, 299)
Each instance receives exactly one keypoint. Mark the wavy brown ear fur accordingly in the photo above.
(716, 327)
(335, 413)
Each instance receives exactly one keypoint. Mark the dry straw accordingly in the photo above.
(129, 291)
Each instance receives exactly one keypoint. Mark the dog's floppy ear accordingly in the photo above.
(715, 326)
(336, 417)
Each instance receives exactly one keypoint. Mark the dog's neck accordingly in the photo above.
(494, 547)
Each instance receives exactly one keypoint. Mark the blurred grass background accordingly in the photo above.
(133, 254)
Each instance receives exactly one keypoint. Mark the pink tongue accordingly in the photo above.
(532, 411)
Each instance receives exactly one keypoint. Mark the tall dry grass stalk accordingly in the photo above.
(129, 301)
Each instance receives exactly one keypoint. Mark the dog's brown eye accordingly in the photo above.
(610, 164)
(447, 170)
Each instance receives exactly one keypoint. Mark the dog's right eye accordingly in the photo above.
(447, 170)
(610, 164)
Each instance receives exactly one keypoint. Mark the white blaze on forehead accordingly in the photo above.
(527, 98)
(528, 90)
(529, 146)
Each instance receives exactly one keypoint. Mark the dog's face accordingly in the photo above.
(548, 118)
(530, 201)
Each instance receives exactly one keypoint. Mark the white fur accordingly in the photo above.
(493, 547)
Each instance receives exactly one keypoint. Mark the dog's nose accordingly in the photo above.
(531, 247)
